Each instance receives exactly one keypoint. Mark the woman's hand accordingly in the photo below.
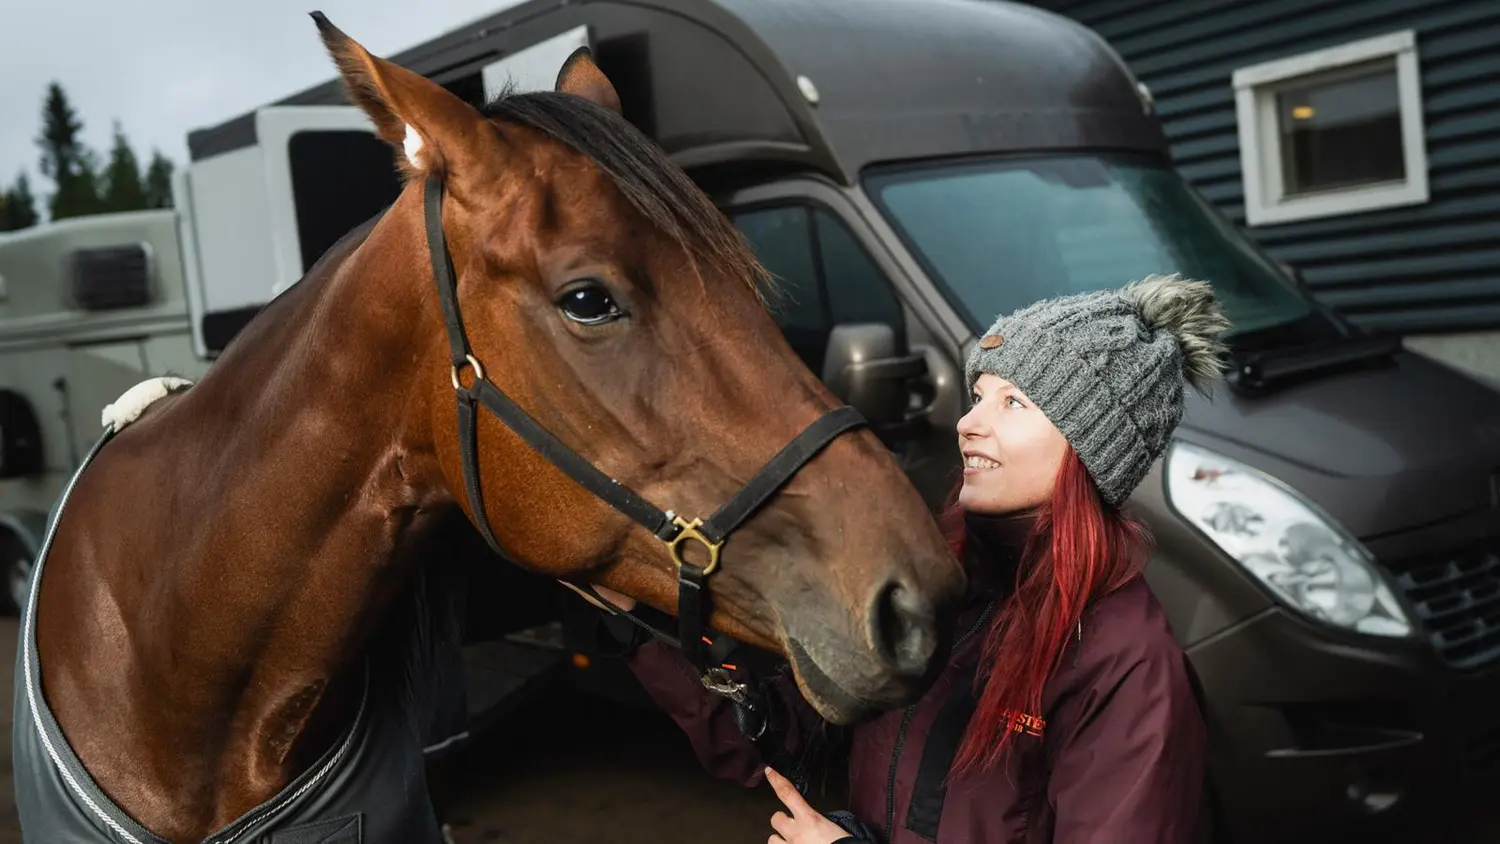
(805, 825)
(621, 602)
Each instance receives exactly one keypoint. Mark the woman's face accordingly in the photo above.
(1012, 451)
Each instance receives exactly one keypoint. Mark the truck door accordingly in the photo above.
(843, 315)
(259, 211)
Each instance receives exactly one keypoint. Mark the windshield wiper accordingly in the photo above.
(1256, 372)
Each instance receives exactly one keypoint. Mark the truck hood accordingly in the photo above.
(1383, 449)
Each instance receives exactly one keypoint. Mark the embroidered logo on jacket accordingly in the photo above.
(1020, 722)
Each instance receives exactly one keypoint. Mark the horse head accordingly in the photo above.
(602, 291)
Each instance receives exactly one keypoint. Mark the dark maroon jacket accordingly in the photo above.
(1119, 758)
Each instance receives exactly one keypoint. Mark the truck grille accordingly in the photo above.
(1458, 604)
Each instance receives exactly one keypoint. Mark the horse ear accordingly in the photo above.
(432, 126)
(581, 77)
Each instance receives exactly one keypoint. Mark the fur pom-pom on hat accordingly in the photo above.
(1190, 312)
(1109, 368)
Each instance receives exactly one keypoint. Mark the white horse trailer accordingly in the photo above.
(88, 308)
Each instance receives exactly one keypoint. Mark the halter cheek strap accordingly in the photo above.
(667, 526)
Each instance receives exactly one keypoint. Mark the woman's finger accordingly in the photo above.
(782, 823)
(786, 793)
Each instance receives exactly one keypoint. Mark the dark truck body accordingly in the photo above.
(815, 110)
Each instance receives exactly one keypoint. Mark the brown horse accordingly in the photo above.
(222, 569)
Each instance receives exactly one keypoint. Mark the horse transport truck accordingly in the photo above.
(1328, 529)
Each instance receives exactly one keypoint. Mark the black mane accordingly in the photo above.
(653, 184)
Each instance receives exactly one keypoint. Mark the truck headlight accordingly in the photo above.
(1306, 559)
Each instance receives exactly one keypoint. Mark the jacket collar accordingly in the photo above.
(992, 551)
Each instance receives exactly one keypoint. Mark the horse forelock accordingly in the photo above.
(651, 182)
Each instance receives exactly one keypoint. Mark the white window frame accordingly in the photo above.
(1255, 90)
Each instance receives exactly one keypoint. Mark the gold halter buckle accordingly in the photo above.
(689, 530)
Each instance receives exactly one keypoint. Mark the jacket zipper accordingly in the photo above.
(890, 785)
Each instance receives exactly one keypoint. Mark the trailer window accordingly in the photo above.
(340, 179)
(1000, 235)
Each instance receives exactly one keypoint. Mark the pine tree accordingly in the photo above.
(66, 160)
(60, 130)
(123, 190)
(18, 206)
(87, 188)
(159, 181)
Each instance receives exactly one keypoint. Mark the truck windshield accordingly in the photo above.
(1001, 234)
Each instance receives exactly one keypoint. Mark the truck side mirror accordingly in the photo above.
(862, 367)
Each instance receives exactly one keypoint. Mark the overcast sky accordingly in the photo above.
(165, 67)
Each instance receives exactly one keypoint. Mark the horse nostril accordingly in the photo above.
(904, 628)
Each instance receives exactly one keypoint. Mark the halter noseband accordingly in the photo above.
(667, 526)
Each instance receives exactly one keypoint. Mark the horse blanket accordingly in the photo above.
(369, 787)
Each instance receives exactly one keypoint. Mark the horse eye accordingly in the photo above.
(589, 305)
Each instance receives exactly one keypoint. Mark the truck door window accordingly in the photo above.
(857, 290)
(782, 239)
(826, 277)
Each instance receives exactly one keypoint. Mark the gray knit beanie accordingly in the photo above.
(1108, 368)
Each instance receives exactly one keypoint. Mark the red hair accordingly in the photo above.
(1079, 550)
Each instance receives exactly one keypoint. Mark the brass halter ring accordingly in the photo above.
(689, 530)
(474, 365)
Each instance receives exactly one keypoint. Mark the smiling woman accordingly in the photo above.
(1011, 450)
(1064, 711)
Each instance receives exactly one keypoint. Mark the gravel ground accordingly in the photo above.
(573, 770)
(570, 769)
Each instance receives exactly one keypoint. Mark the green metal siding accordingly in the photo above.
(1431, 267)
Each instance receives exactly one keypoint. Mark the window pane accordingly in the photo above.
(340, 179)
(857, 290)
(782, 239)
(1341, 132)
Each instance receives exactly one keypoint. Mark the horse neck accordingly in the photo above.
(290, 535)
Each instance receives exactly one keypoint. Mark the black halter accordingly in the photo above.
(667, 526)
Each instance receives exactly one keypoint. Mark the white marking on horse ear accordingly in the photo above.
(412, 145)
(129, 407)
